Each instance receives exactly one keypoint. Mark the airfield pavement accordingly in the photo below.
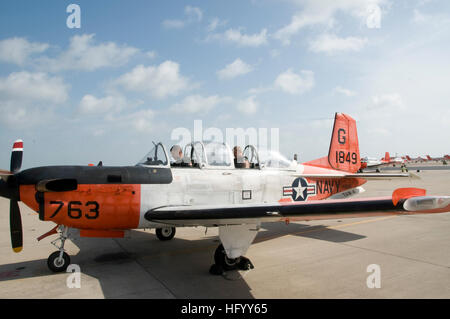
(317, 259)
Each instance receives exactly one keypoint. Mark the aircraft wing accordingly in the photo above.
(403, 200)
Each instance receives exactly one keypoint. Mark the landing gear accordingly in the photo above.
(59, 260)
(56, 263)
(223, 263)
(166, 233)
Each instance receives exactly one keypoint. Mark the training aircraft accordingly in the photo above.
(208, 188)
(367, 162)
(416, 159)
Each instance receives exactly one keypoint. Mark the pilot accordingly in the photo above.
(177, 155)
(239, 160)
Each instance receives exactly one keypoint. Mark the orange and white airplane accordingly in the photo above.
(206, 190)
(367, 162)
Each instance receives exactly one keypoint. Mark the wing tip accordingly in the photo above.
(404, 193)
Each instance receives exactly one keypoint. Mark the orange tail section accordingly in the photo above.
(387, 157)
(344, 147)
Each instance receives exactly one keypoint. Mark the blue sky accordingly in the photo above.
(136, 70)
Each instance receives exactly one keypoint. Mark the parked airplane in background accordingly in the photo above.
(438, 159)
(416, 160)
(208, 189)
(367, 162)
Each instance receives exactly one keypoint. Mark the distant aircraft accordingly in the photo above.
(208, 188)
(438, 159)
(367, 162)
(416, 160)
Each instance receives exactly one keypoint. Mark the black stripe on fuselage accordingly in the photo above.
(98, 174)
(318, 208)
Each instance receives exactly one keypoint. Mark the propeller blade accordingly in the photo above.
(16, 156)
(15, 222)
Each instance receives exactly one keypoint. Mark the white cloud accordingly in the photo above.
(197, 104)
(330, 43)
(194, 12)
(141, 121)
(27, 98)
(248, 105)
(90, 104)
(84, 54)
(294, 83)
(241, 39)
(18, 50)
(322, 12)
(391, 102)
(158, 81)
(33, 87)
(344, 91)
(234, 69)
(215, 23)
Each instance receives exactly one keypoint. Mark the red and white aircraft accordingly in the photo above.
(206, 190)
(438, 159)
(367, 162)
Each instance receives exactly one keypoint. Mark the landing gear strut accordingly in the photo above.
(223, 263)
(59, 260)
(166, 233)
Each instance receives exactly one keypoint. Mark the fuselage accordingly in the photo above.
(117, 198)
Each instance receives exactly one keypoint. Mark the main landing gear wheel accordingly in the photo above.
(166, 233)
(58, 263)
(223, 263)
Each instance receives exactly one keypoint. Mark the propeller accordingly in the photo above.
(15, 220)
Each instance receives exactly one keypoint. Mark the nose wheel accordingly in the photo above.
(166, 233)
(59, 260)
(223, 263)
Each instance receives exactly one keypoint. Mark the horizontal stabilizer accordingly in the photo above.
(371, 176)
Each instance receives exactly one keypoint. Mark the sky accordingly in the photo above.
(104, 84)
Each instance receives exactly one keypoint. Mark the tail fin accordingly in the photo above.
(429, 157)
(344, 147)
(387, 157)
(408, 158)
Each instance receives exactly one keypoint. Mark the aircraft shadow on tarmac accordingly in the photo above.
(143, 267)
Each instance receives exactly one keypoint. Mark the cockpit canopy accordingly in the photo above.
(209, 154)
(216, 155)
(156, 157)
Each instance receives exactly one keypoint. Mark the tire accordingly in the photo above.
(52, 262)
(221, 259)
(166, 233)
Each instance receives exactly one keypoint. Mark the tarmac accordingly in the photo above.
(317, 259)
